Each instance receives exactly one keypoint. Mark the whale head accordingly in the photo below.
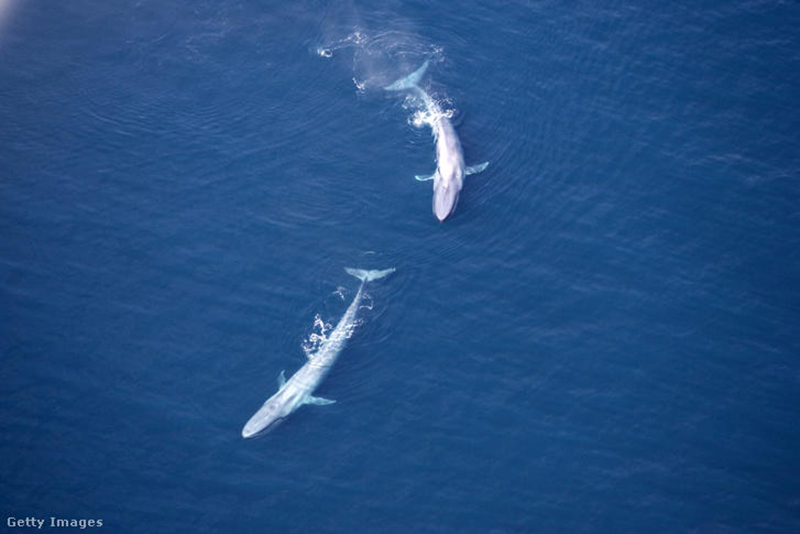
(267, 418)
(445, 198)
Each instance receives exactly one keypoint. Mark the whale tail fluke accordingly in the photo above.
(368, 276)
(409, 81)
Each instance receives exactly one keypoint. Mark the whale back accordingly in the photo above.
(449, 178)
(449, 155)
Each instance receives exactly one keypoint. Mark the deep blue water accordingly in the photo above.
(603, 338)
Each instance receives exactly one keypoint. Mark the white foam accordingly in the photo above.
(318, 336)
(360, 85)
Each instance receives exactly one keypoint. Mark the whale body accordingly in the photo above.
(297, 391)
(448, 180)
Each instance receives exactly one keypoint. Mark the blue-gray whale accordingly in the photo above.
(298, 390)
(450, 167)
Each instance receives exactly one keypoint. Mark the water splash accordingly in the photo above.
(357, 38)
(323, 332)
(360, 86)
(340, 292)
(366, 304)
(317, 337)
(427, 116)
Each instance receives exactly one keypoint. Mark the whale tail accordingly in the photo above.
(368, 276)
(409, 81)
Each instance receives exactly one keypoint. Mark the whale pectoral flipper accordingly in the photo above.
(281, 380)
(475, 169)
(421, 178)
(318, 400)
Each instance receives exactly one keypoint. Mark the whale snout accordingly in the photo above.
(444, 201)
(260, 428)
(265, 419)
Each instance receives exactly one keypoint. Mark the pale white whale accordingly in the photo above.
(298, 390)
(450, 167)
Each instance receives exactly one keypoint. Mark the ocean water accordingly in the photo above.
(603, 338)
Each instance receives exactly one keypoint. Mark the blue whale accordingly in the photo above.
(450, 167)
(297, 391)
